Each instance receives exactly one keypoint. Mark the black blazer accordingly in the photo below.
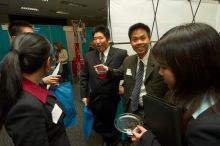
(102, 94)
(154, 82)
(91, 86)
(29, 123)
(202, 131)
(205, 129)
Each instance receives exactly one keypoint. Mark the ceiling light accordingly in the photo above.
(44, 0)
(29, 9)
(62, 12)
(73, 4)
(76, 5)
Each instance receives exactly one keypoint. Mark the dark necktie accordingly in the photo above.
(137, 87)
(102, 58)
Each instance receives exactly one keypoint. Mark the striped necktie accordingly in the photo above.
(137, 87)
(102, 58)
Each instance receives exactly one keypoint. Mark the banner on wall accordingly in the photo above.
(79, 32)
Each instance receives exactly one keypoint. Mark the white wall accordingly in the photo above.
(124, 13)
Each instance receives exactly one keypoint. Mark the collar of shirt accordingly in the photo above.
(144, 59)
(206, 103)
(37, 91)
(105, 53)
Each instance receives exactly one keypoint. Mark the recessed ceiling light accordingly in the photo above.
(44, 0)
(73, 4)
(29, 8)
(62, 12)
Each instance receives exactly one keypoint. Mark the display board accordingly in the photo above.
(169, 13)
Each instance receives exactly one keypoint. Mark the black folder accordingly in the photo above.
(163, 119)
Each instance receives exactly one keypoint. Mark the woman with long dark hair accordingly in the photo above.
(190, 64)
(32, 116)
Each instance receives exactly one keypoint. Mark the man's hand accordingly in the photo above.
(100, 67)
(85, 101)
(121, 90)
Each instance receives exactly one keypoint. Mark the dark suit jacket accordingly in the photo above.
(29, 123)
(202, 131)
(154, 83)
(102, 93)
(205, 129)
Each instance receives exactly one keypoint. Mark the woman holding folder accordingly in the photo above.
(189, 62)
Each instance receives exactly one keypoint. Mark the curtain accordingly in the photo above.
(89, 37)
(54, 33)
(4, 43)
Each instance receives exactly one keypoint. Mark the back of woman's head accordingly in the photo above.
(28, 53)
(32, 49)
(192, 52)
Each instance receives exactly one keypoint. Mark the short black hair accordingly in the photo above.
(103, 29)
(137, 26)
(15, 27)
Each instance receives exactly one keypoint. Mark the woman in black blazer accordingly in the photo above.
(190, 64)
(32, 116)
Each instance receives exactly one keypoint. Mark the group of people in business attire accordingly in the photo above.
(184, 62)
(185, 59)
(108, 98)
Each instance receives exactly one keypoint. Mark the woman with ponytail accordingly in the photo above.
(32, 116)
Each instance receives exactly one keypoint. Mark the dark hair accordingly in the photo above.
(30, 51)
(138, 26)
(59, 46)
(103, 29)
(15, 27)
(191, 51)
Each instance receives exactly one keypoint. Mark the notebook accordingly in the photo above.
(163, 119)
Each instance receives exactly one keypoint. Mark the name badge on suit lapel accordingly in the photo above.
(56, 113)
(128, 72)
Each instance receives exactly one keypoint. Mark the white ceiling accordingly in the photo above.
(92, 11)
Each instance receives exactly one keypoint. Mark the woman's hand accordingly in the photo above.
(138, 132)
(51, 80)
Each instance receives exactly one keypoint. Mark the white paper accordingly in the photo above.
(121, 82)
(55, 72)
(56, 113)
